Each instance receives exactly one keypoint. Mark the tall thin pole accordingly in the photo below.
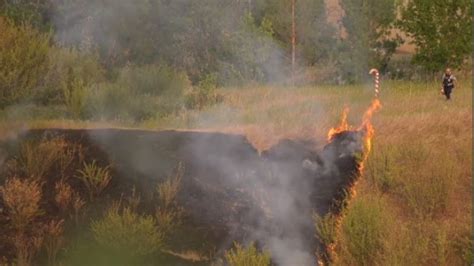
(293, 41)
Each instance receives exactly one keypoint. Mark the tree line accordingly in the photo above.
(232, 42)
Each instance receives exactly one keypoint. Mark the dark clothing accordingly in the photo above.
(448, 85)
(447, 92)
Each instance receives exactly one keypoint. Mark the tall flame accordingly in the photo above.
(343, 126)
(368, 129)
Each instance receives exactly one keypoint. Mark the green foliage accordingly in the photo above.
(441, 30)
(139, 93)
(75, 98)
(36, 158)
(27, 11)
(250, 52)
(380, 169)
(69, 70)
(241, 256)
(325, 228)
(95, 178)
(368, 44)
(205, 94)
(23, 61)
(154, 80)
(168, 214)
(125, 233)
(364, 229)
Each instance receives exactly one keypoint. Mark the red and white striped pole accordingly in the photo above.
(374, 72)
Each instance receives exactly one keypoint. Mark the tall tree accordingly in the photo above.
(368, 44)
(441, 31)
(314, 36)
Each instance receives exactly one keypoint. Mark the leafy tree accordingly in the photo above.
(441, 31)
(314, 35)
(368, 44)
(36, 13)
(23, 61)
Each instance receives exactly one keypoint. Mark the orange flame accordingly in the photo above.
(368, 129)
(343, 126)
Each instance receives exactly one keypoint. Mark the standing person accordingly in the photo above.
(449, 82)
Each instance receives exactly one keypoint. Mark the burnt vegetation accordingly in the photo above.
(159, 194)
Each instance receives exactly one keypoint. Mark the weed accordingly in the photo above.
(95, 178)
(326, 229)
(168, 214)
(380, 170)
(123, 230)
(63, 197)
(22, 199)
(240, 256)
(36, 159)
(53, 240)
(26, 248)
(205, 94)
(75, 98)
(364, 229)
(168, 190)
(77, 204)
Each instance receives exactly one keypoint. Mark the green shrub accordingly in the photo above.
(364, 229)
(75, 98)
(69, 70)
(204, 94)
(240, 256)
(380, 169)
(23, 61)
(168, 214)
(95, 178)
(138, 94)
(153, 80)
(36, 158)
(112, 101)
(325, 228)
(126, 233)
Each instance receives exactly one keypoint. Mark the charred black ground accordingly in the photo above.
(229, 192)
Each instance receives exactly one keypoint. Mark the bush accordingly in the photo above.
(69, 70)
(240, 256)
(364, 229)
(23, 61)
(36, 159)
(168, 214)
(153, 80)
(204, 94)
(126, 233)
(95, 178)
(139, 93)
(380, 169)
(22, 199)
(326, 229)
